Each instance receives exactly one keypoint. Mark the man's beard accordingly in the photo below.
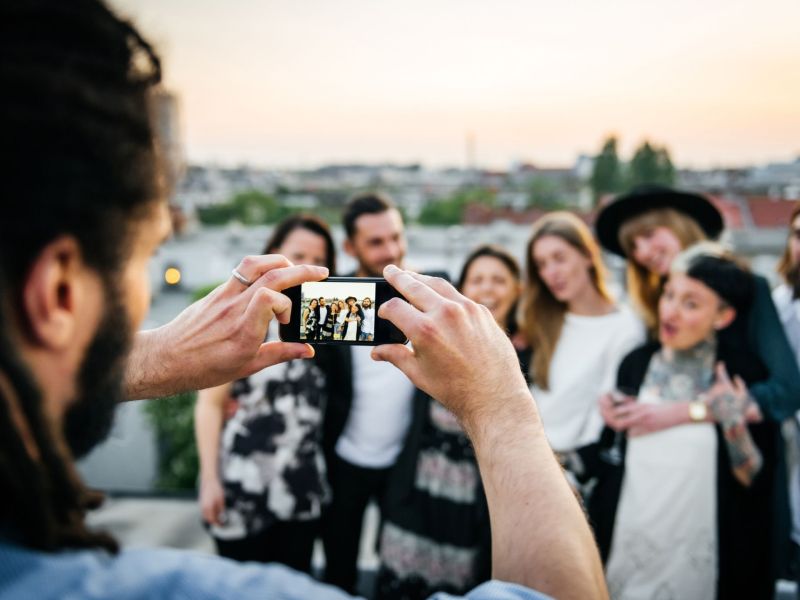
(89, 420)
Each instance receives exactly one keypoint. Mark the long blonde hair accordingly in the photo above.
(542, 314)
(645, 286)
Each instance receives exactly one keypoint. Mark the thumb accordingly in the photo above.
(400, 356)
(272, 353)
(722, 373)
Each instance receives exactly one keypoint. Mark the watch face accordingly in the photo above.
(697, 411)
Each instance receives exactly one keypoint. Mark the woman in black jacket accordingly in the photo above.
(689, 510)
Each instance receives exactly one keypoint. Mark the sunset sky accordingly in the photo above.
(298, 84)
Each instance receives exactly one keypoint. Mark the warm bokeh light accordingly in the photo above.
(172, 276)
(297, 84)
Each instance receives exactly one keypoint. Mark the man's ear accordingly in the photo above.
(50, 293)
(725, 317)
(349, 248)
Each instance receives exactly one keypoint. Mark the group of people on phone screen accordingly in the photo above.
(663, 406)
(334, 319)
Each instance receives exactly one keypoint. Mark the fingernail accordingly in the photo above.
(384, 305)
(391, 269)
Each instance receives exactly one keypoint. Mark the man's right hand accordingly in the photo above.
(460, 356)
(540, 537)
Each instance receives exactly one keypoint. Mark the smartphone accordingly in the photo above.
(341, 310)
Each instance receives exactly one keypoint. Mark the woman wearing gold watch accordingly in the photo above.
(688, 511)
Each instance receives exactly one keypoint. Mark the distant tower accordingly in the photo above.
(170, 137)
(470, 155)
(166, 116)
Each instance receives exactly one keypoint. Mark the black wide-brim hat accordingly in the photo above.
(647, 197)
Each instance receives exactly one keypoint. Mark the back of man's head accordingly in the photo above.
(78, 163)
(368, 203)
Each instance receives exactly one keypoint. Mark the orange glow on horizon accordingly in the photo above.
(297, 85)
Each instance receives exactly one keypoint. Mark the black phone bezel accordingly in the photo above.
(385, 331)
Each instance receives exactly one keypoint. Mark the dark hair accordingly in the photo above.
(79, 159)
(731, 281)
(370, 203)
(310, 223)
(505, 257)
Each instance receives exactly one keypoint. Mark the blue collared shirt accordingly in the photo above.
(165, 573)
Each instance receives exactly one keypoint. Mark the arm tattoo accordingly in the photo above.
(745, 457)
(729, 410)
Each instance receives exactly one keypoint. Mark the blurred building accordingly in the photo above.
(166, 113)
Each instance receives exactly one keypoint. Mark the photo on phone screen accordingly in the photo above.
(337, 311)
(341, 310)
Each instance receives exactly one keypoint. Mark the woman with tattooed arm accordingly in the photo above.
(688, 513)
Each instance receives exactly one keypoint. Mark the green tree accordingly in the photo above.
(450, 210)
(651, 164)
(250, 207)
(667, 174)
(219, 214)
(607, 172)
(545, 193)
(256, 208)
(173, 421)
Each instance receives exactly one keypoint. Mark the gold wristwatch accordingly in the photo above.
(698, 411)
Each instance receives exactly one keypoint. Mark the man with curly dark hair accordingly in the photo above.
(83, 212)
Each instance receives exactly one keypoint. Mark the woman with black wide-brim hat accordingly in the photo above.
(650, 226)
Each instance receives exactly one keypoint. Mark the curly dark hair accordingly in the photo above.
(79, 158)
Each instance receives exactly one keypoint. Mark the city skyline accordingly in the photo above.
(303, 84)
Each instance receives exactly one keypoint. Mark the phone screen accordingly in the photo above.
(341, 310)
(337, 311)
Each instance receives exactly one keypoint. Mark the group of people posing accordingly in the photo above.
(335, 319)
(664, 410)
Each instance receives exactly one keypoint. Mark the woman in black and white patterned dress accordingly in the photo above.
(263, 483)
(435, 535)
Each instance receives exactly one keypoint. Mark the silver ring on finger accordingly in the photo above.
(241, 278)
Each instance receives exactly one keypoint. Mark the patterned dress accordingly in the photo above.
(311, 326)
(271, 461)
(440, 538)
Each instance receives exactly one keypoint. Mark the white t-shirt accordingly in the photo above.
(583, 368)
(380, 413)
(368, 324)
(323, 312)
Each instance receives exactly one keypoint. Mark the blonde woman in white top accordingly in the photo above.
(577, 333)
